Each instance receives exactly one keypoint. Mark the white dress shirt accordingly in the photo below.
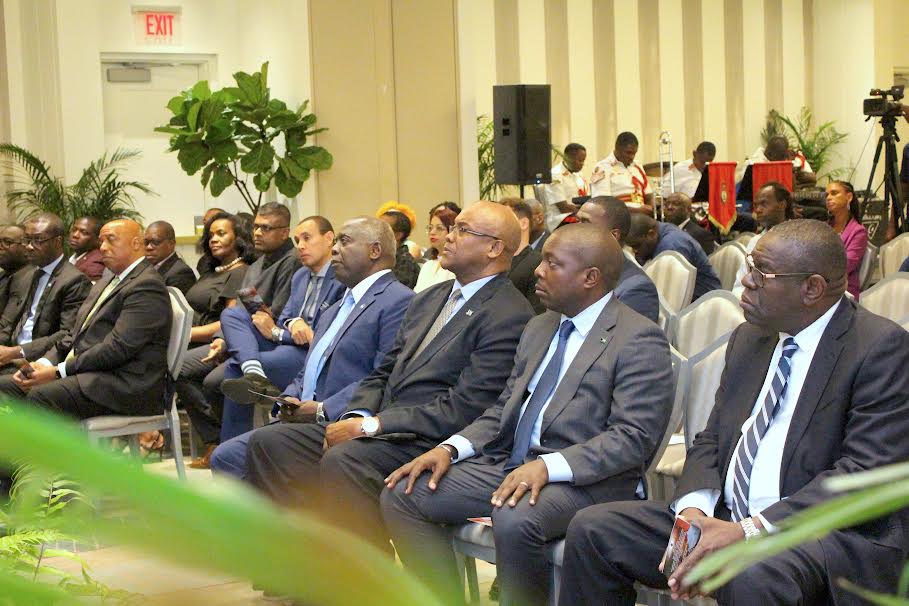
(686, 176)
(764, 484)
(556, 465)
(799, 163)
(25, 335)
(627, 183)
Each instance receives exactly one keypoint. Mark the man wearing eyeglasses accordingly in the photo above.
(40, 311)
(814, 387)
(12, 259)
(451, 358)
(160, 251)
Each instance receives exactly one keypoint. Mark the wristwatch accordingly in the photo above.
(750, 529)
(370, 426)
(452, 451)
(276, 334)
(320, 414)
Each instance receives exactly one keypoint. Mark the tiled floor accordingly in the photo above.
(166, 584)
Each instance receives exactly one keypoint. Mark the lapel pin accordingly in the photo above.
(469, 312)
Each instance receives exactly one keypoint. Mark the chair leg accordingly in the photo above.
(134, 449)
(473, 584)
(177, 443)
(556, 584)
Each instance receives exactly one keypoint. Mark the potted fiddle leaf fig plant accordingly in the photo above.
(240, 134)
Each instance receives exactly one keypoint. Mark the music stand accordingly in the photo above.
(702, 193)
(745, 186)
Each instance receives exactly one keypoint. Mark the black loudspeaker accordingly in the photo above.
(522, 134)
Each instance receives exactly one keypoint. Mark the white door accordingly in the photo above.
(131, 113)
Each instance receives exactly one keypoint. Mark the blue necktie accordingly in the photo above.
(316, 360)
(743, 460)
(545, 386)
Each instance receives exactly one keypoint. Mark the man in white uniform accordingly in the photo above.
(778, 150)
(618, 175)
(687, 173)
(567, 183)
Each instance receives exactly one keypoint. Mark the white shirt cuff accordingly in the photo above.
(359, 412)
(558, 468)
(705, 500)
(462, 445)
(289, 323)
(61, 367)
(768, 527)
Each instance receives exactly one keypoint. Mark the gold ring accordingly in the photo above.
(525, 484)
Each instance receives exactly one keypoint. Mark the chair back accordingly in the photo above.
(726, 261)
(680, 378)
(674, 278)
(889, 297)
(904, 322)
(180, 331)
(893, 253)
(706, 369)
(714, 315)
(867, 267)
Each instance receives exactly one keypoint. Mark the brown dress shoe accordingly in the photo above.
(204, 462)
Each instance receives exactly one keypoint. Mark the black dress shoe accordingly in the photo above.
(239, 390)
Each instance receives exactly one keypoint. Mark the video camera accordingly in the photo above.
(880, 106)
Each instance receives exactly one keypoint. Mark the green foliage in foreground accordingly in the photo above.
(230, 530)
(874, 494)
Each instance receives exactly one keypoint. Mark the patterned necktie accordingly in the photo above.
(29, 301)
(316, 360)
(312, 298)
(104, 294)
(440, 322)
(541, 393)
(747, 449)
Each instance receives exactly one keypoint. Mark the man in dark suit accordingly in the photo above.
(649, 237)
(585, 407)
(451, 357)
(355, 334)
(83, 241)
(525, 261)
(814, 387)
(115, 358)
(12, 258)
(635, 288)
(265, 355)
(538, 231)
(160, 251)
(677, 210)
(41, 308)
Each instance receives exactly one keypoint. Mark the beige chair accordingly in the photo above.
(889, 297)
(726, 261)
(110, 426)
(893, 253)
(674, 278)
(866, 270)
(706, 370)
(905, 323)
(712, 316)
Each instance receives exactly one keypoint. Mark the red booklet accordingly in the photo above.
(487, 521)
(682, 540)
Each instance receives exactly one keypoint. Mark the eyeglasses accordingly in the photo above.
(440, 229)
(7, 242)
(460, 230)
(35, 242)
(760, 278)
(154, 243)
(267, 229)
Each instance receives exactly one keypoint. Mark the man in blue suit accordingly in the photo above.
(351, 339)
(263, 351)
(635, 288)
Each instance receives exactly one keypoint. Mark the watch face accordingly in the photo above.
(370, 425)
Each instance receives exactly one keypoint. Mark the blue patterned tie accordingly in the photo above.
(545, 386)
(747, 449)
(316, 360)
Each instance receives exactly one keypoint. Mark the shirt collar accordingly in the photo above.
(50, 267)
(365, 284)
(585, 320)
(470, 289)
(164, 260)
(533, 244)
(684, 223)
(126, 271)
(324, 271)
(810, 336)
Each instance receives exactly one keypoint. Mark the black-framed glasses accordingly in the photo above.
(460, 230)
(154, 243)
(267, 229)
(760, 277)
(35, 241)
(8, 242)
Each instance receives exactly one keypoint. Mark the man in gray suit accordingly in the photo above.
(580, 417)
(450, 359)
(635, 288)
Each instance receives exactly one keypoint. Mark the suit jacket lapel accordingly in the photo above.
(366, 300)
(822, 365)
(594, 345)
(433, 308)
(131, 276)
(47, 289)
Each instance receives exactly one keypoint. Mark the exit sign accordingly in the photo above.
(157, 24)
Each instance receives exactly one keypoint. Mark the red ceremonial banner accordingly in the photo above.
(762, 172)
(721, 196)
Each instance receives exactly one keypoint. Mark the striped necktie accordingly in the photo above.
(104, 294)
(440, 321)
(747, 448)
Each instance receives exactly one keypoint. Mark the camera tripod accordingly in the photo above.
(893, 198)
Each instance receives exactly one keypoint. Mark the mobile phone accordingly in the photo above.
(27, 370)
(277, 399)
